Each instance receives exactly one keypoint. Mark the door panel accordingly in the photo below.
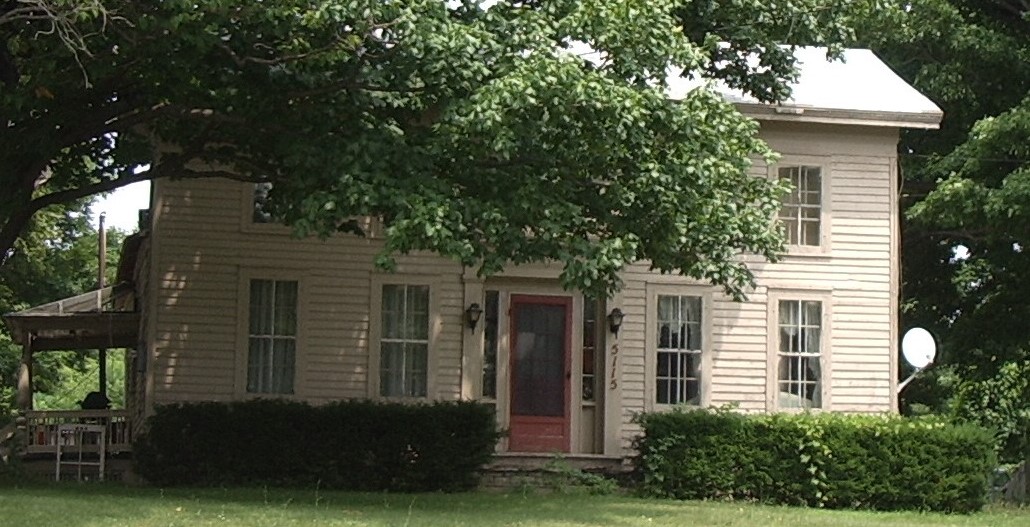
(540, 373)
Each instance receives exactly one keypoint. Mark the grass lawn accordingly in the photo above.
(103, 505)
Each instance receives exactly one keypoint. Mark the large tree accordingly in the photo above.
(481, 132)
(967, 234)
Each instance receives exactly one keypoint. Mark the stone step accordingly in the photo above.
(548, 471)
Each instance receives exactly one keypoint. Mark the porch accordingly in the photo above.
(100, 319)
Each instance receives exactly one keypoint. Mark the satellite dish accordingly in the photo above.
(918, 347)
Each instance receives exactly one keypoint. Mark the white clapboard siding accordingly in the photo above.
(202, 245)
(204, 249)
(857, 272)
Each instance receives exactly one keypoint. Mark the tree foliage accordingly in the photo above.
(480, 132)
(968, 190)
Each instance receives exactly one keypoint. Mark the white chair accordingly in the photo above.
(75, 435)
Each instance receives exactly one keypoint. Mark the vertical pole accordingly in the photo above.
(102, 256)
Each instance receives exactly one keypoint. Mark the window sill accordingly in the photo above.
(402, 399)
(664, 407)
(807, 251)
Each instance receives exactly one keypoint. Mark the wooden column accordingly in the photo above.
(25, 376)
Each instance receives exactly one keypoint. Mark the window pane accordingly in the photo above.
(415, 361)
(664, 364)
(261, 307)
(417, 316)
(391, 369)
(261, 214)
(813, 179)
(393, 305)
(283, 351)
(285, 308)
(257, 363)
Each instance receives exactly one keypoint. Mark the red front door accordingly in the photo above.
(540, 373)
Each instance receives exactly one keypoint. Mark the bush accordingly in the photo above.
(830, 460)
(356, 445)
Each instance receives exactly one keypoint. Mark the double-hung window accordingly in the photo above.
(404, 342)
(679, 350)
(272, 336)
(802, 209)
(799, 354)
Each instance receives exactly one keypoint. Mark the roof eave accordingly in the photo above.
(800, 114)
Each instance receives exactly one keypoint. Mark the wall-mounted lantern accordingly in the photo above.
(615, 320)
(472, 315)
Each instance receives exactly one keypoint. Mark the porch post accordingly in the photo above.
(24, 398)
(102, 381)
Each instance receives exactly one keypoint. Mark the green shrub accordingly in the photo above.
(358, 445)
(831, 460)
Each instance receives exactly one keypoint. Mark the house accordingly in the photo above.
(230, 306)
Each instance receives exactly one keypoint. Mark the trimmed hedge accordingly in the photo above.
(356, 445)
(826, 460)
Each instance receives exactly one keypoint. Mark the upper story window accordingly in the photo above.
(802, 210)
(680, 343)
(260, 212)
(272, 336)
(404, 342)
(799, 377)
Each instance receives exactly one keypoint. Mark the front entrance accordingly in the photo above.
(541, 373)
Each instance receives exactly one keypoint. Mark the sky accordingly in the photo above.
(122, 206)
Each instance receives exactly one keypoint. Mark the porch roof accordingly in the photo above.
(96, 319)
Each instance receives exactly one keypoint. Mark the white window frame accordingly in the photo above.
(825, 201)
(825, 298)
(243, 332)
(651, 343)
(376, 331)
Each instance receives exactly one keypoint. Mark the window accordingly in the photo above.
(404, 344)
(272, 336)
(678, 376)
(490, 343)
(799, 354)
(260, 212)
(801, 212)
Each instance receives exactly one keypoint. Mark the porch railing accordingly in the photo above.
(42, 434)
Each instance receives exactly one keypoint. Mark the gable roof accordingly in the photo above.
(858, 89)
